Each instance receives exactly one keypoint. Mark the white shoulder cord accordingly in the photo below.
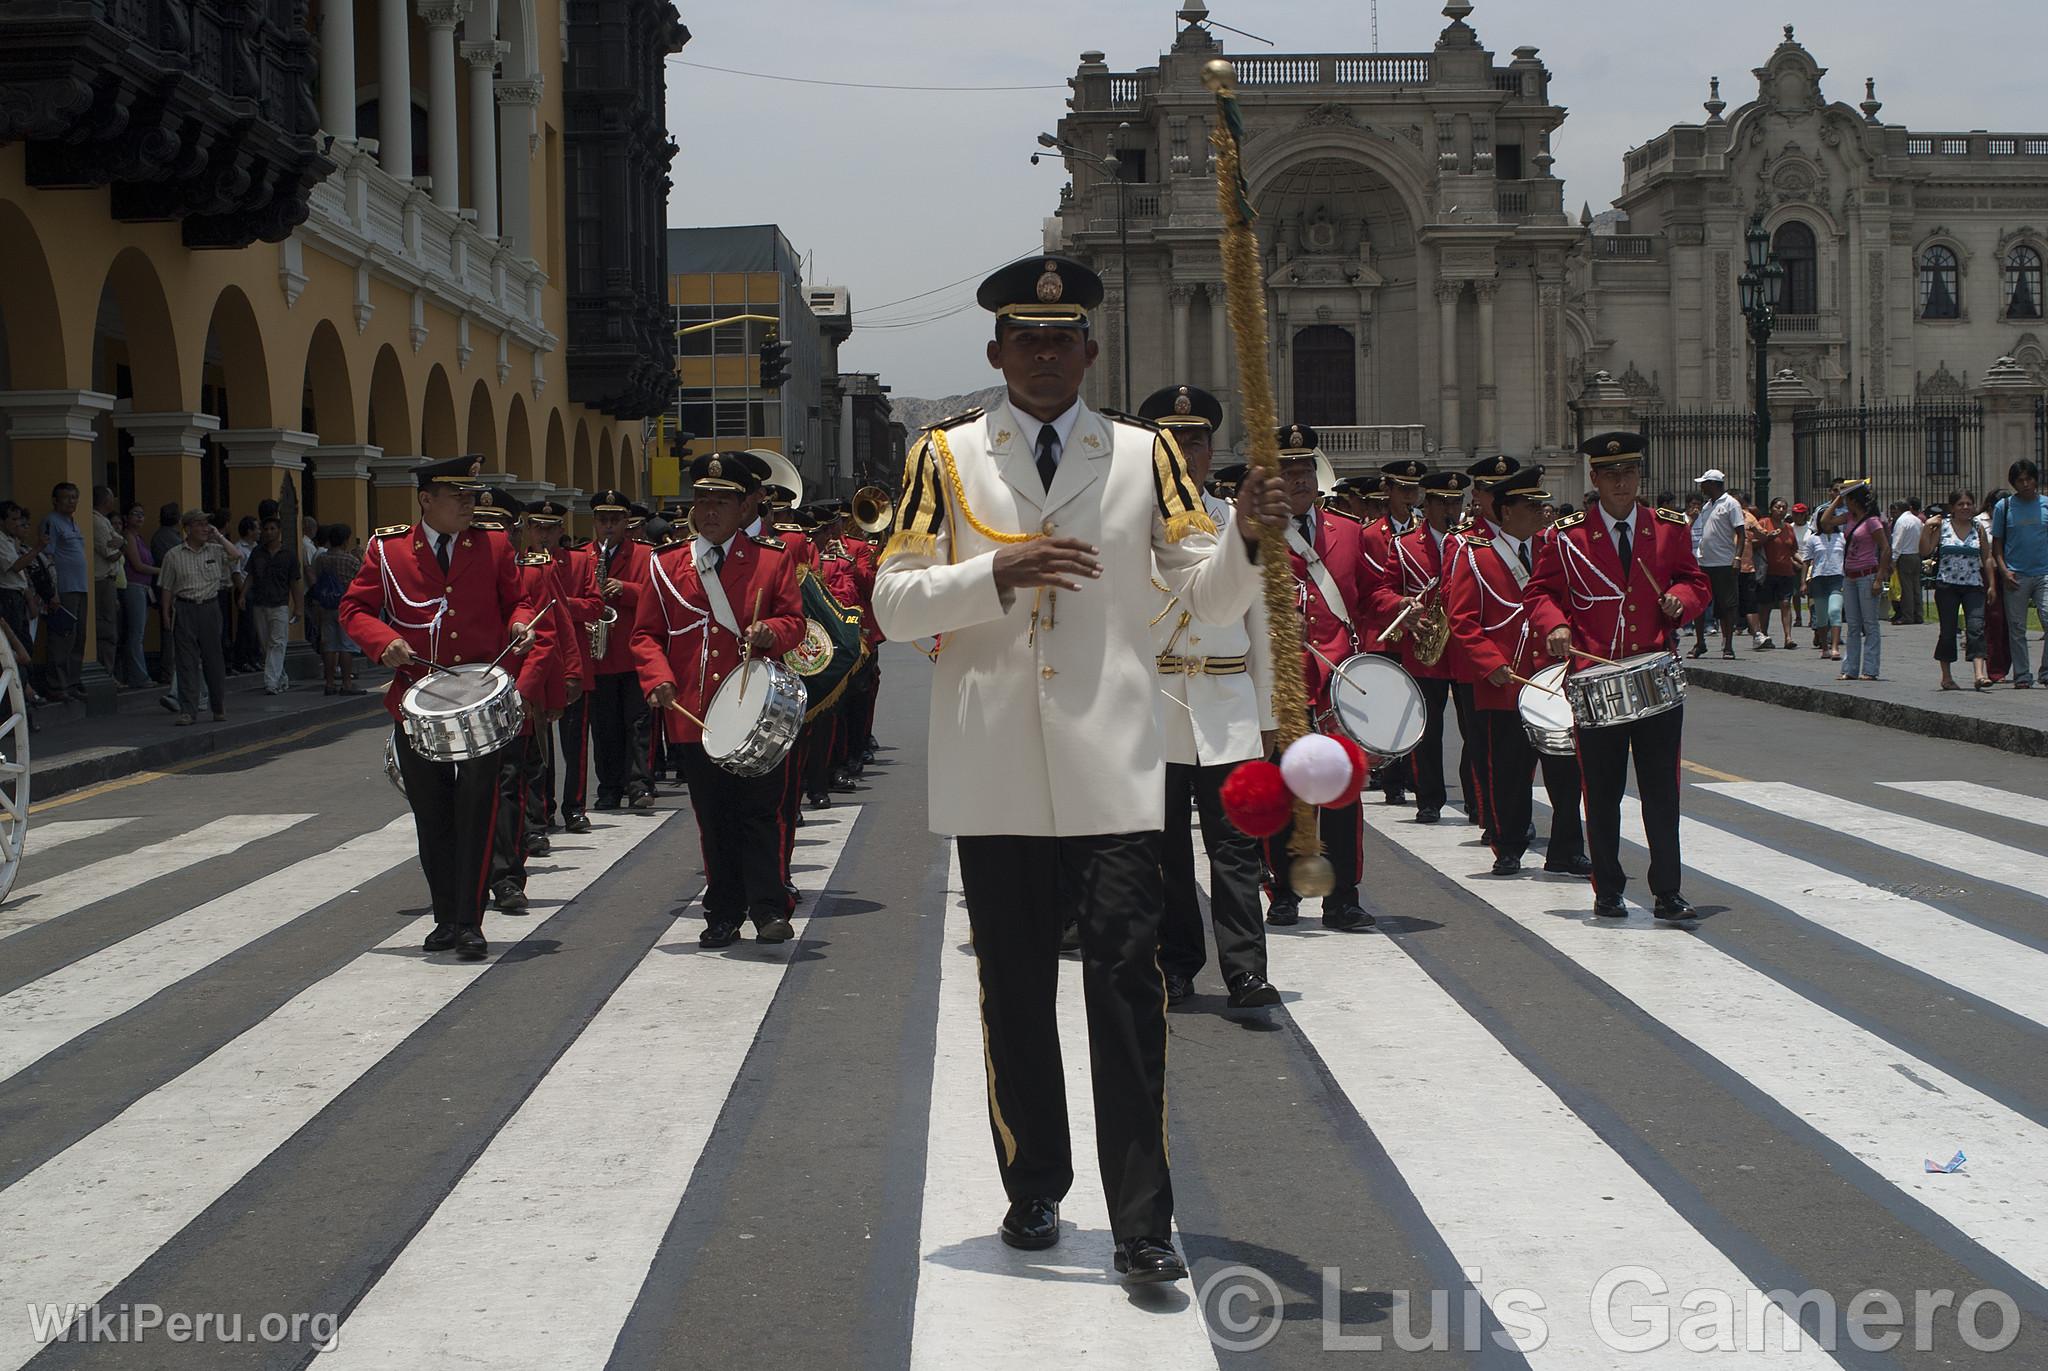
(1486, 591)
(703, 619)
(1408, 563)
(439, 604)
(1583, 596)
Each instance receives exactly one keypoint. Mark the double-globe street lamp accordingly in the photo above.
(1763, 285)
(1112, 168)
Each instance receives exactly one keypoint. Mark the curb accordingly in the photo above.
(1931, 723)
(47, 781)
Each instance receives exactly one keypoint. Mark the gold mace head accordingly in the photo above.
(1313, 877)
(1220, 76)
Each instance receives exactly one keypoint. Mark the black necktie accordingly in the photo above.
(441, 550)
(1522, 551)
(717, 558)
(1048, 454)
(1621, 545)
(1301, 522)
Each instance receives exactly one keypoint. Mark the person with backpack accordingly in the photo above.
(333, 571)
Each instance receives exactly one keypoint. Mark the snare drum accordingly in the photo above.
(1377, 705)
(392, 773)
(465, 712)
(1634, 688)
(755, 717)
(1547, 714)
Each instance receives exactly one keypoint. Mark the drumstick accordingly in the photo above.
(1334, 667)
(508, 646)
(747, 646)
(1595, 657)
(677, 706)
(1551, 690)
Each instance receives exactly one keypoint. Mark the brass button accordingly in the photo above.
(453, 634)
(714, 675)
(447, 590)
(1048, 673)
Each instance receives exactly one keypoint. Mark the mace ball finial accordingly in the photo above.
(1220, 76)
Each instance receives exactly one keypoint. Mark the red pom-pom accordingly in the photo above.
(1255, 799)
(1361, 770)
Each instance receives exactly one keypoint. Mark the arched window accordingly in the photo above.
(1938, 273)
(1796, 251)
(2022, 283)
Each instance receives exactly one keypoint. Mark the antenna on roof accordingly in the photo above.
(1375, 25)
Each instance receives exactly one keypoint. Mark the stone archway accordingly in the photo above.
(330, 404)
(134, 302)
(607, 468)
(519, 441)
(629, 469)
(555, 469)
(581, 474)
(483, 429)
(438, 435)
(391, 422)
(31, 320)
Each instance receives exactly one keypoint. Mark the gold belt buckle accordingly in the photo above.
(1193, 665)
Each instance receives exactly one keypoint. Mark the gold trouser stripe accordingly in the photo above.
(988, 1063)
(1165, 1049)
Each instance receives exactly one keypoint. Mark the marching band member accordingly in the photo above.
(690, 631)
(1029, 536)
(619, 729)
(1609, 585)
(1215, 708)
(1486, 473)
(576, 579)
(1399, 487)
(842, 571)
(577, 603)
(1414, 582)
(1487, 588)
(1329, 576)
(421, 588)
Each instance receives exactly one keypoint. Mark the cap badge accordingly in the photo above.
(1500, 465)
(716, 468)
(1294, 437)
(1050, 287)
(1182, 404)
(1613, 446)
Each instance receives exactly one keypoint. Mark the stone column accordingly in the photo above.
(55, 435)
(394, 89)
(1788, 394)
(338, 67)
(1603, 407)
(1180, 297)
(444, 160)
(1450, 394)
(342, 473)
(518, 139)
(267, 456)
(2008, 392)
(168, 449)
(393, 490)
(483, 59)
(1489, 392)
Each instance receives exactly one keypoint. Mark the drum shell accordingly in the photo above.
(1539, 713)
(486, 723)
(1638, 687)
(778, 698)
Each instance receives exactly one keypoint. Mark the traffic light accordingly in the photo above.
(774, 362)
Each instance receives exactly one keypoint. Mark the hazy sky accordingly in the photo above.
(895, 193)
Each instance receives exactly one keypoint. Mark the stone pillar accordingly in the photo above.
(394, 492)
(1180, 297)
(55, 435)
(483, 59)
(1489, 392)
(168, 448)
(394, 89)
(267, 456)
(1219, 355)
(343, 475)
(2008, 393)
(1788, 394)
(444, 160)
(518, 138)
(338, 67)
(1450, 394)
(1604, 407)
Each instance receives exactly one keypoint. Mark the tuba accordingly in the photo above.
(873, 510)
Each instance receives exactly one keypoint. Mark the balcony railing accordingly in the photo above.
(1977, 145)
(1625, 246)
(1349, 446)
(1334, 69)
(1128, 91)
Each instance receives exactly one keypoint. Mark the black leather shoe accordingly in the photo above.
(792, 894)
(644, 800)
(1346, 916)
(1396, 795)
(507, 896)
(441, 939)
(1507, 866)
(1149, 1261)
(820, 801)
(1609, 907)
(1179, 989)
(576, 823)
(537, 845)
(1252, 991)
(1070, 938)
(842, 784)
(470, 944)
(1032, 1225)
(774, 931)
(1675, 908)
(1569, 866)
(606, 802)
(1428, 816)
(719, 935)
(1284, 913)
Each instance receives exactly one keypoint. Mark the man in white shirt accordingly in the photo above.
(1906, 559)
(1717, 536)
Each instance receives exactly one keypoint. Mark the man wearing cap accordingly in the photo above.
(575, 568)
(711, 604)
(1329, 576)
(1028, 537)
(1486, 593)
(436, 592)
(1415, 583)
(1400, 485)
(1486, 473)
(1717, 541)
(619, 730)
(1610, 584)
(1215, 708)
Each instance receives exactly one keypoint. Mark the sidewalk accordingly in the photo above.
(70, 750)
(1908, 697)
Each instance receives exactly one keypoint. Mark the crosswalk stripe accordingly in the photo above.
(74, 1227)
(103, 880)
(985, 1305)
(1521, 1190)
(2008, 804)
(1951, 849)
(41, 1016)
(1880, 1104)
(44, 836)
(527, 1236)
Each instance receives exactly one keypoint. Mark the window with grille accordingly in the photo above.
(1799, 254)
(1944, 446)
(1938, 280)
(2023, 283)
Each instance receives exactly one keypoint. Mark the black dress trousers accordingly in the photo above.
(1343, 835)
(574, 727)
(1020, 893)
(514, 815)
(1235, 870)
(1428, 756)
(1603, 764)
(454, 811)
(739, 823)
(1514, 759)
(616, 707)
(1472, 764)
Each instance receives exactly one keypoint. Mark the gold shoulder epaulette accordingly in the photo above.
(535, 559)
(1575, 518)
(1342, 514)
(1669, 516)
(765, 541)
(1478, 540)
(394, 531)
(966, 416)
(1462, 524)
(790, 528)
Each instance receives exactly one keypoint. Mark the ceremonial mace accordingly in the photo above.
(1309, 873)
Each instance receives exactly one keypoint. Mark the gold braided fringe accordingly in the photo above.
(945, 451)
(915, 544)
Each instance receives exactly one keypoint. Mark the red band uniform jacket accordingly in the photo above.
(1614, 613)
(1415, 568)
(1338, 546)
(676, 638)
(630, 560)
(1489, 614)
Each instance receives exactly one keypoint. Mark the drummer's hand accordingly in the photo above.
(398, 655)
(1672, 608)
(1559, 642)
(550, 716)
(1261, 505)
(1500, 676)
(663, 695)
(522, 636)
(761, 640)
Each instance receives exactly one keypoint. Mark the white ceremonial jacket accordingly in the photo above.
(1207, 720)
(1050, 731)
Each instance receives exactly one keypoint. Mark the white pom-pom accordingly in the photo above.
(1316, 768)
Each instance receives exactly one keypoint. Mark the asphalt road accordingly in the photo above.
(233, 1093)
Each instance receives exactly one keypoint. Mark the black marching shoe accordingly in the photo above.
(818, 800)
(1284, 913)
(1346, 916)
(1249, 990)
(537, 845)
(795, 896)
(606, 802)
(1674, 908)
(470, 944)
(1609, 907)
(578, 822)
(1396, 795)
(1179, 989)
(1032, 1225)
(1428, 816)
(1149, 1261)
(441, 939)
(842, 784)
(642, 801)
(774, 931)
(719, 935)
(1507, 866)
(1569, 866)
(507, 896)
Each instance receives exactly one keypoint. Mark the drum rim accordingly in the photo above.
(480, 672)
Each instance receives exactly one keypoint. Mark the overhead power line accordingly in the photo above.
(857, 85)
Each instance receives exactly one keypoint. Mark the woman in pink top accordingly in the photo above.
(1866, 570)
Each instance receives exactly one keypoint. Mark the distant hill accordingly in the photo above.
(915, 414)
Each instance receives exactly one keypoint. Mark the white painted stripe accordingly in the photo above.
(981, 1304)
(1948, 849)
(43, 836)
(527, 1235)
(45, 1014)
(74, 1227)
(1523, 1192)
(1880, 1104)
(103, 880)
(2008, 804)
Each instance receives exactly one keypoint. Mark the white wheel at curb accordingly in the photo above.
(13, 768)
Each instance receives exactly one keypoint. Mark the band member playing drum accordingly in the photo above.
(1215, 708)
(1413, 587)
(1486, 588)
(710, 605)
(1607, 588)
(434, 592)
(618, 711)
(1400, 488)
(1329, 576)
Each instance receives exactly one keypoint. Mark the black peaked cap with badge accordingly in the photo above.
(1406, 472)
(495, 508)
(1182, 407)
(1296, 440)
(1490, 471)
(1614, 449)
(609, 502)
(449, 473)
(1044, 291)
(1445, 483)
(735, 471)
(547, 512)
(1526, 483)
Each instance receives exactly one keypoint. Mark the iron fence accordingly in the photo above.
(1679, 445)
(1924, 449)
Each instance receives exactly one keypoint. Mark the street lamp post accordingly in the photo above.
(1111, 167)
(1763, 285)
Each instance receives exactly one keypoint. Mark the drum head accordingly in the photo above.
(734, 710)
(1378, 704)
(440, 693)
(1546, 709)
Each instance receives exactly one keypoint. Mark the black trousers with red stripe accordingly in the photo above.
(619, 734)
(454, 811)
(738, 823)
(518, 813)
(1603, 767)
(1513, 760)
(574, 728)
(1472, 765)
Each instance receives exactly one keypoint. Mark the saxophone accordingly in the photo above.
(600, 630)
(1432, 632)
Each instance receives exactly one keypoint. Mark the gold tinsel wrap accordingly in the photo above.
(1247, 295)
